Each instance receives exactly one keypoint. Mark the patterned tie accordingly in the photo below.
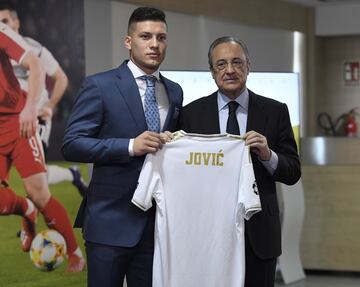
(232, 126)
(150, 105)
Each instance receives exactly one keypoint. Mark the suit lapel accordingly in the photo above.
(211, 114)
(130, 92)
(173, 111)
(254, 121)
(174, 105)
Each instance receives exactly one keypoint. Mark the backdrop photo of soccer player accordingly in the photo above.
(48, 99)
(265, 124)
(115, 121)
(20, 146)
(54, 24)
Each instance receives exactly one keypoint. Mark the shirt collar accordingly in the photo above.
(137, 72)
(242, 100)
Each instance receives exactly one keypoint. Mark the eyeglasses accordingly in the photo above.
(236, 64)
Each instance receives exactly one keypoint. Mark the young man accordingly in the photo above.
(20, 146)
(115, 122)
(266, 126)
(56, 174)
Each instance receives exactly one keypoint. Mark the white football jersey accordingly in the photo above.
(204, 188)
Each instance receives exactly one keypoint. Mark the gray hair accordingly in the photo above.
(227, 39)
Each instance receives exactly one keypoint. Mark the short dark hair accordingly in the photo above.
(11, 8)
(141, 14)
(7, 6)
(227, 39)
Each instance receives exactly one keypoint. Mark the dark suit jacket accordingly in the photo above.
(106, 114)
(271, 119)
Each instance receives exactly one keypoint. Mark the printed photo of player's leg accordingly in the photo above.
(16, 267)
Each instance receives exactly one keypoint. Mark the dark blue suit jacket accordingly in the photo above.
(106, 114)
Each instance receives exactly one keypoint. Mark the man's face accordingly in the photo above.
(7, 18)
(230, 68)
(147, 43)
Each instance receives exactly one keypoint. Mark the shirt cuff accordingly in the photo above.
(272, 163)
(131, 149)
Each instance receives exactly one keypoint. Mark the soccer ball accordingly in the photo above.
(48, 250)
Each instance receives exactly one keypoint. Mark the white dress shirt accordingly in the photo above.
(160, 94)
(241, 115)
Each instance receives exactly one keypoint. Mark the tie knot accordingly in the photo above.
(233, 105)
(150, 80)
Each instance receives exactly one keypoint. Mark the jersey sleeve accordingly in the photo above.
(148, 184)
(13, 44)
(248, 195)
(48, 62)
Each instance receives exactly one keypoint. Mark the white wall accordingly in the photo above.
(190, 37)
(338, 20)
(98, 37)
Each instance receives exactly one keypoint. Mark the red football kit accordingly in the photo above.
(25, 154)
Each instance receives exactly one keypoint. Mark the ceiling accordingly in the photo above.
(316, 3)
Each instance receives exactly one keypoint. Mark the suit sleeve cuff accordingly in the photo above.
(272, 163)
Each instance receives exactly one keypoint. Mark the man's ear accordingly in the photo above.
(127, 42)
